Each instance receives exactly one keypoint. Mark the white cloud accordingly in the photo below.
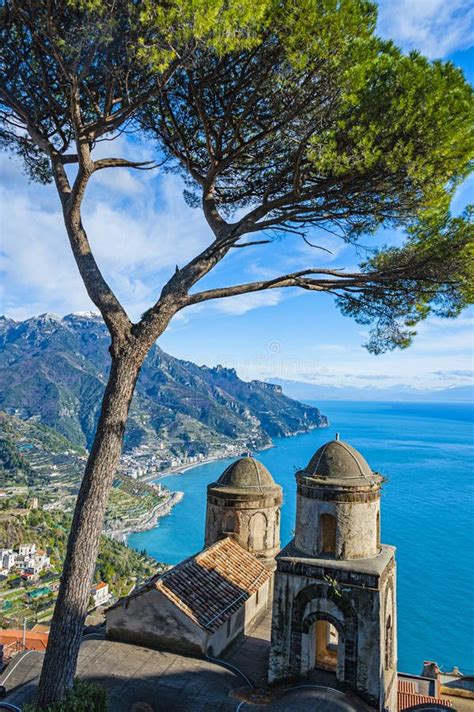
(435, 27)
(137, 244)
(246, 302)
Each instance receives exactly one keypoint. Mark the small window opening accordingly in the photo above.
(328, 533)
(229, 526)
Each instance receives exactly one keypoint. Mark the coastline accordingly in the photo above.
(161, 510)
(176, 497)
(181, 469)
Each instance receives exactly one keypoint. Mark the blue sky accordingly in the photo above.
(287, 334)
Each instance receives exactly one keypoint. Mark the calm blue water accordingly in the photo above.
(427, 453)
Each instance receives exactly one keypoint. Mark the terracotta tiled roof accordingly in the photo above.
(408, 697)
(212, 585)
(100, 585)
(33, 640)
(39, 628)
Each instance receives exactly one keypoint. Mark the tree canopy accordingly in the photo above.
(79, 69)
(322, 126)
(295, 117)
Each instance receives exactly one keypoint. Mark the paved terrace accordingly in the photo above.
(173, 683)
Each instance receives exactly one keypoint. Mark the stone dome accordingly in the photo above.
(339, 462)
(246, 474)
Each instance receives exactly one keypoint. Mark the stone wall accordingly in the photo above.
(356, 514)
(356, 527)
(352, 599)
(150, 619)
(253, 522)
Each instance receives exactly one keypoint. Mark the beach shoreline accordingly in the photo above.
(181, 469)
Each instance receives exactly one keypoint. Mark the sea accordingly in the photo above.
(426, 452)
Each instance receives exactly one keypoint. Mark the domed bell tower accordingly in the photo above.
(245, 504)
(338, 505)
(335, 600)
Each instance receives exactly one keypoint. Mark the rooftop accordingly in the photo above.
(247, 473)
(408, 697)
(339, 463)
(34, 640)
(212, 585)
(135, 676)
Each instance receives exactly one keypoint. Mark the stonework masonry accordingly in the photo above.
(245, 505)
(334, 603)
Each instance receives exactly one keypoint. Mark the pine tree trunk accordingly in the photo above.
(59, 664)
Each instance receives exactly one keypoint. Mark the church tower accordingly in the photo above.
(245, 504)
(335, 600)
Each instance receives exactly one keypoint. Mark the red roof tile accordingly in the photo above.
(407, 697)
(212, 585)
(33, 640)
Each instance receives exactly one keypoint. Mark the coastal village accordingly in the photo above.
(28, 580)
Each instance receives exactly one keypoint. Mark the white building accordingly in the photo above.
(42, 559)
(32, 569)
(100, 593)
(27, 549)
(7, 559)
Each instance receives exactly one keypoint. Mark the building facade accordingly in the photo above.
(100, 594)
(334, 601)
(200, 605)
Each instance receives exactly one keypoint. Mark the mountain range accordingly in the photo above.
(399, 392)
(54, 369)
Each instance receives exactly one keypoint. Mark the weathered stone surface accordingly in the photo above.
(138, 678)
(245, 504)
(336, 580)
(246, 473)
(339, 461)
(356, 525)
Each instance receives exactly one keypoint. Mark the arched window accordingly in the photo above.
(276, 528)
(378, 530)
(229, 525)
(257, 531)
(388, 643)
(328, 527)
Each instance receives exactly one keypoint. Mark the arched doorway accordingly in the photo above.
(326, 642)
(326, 645)
(315, 603)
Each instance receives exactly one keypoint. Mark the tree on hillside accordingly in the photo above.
(285, 120)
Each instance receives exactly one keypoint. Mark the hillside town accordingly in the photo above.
(27, 560)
